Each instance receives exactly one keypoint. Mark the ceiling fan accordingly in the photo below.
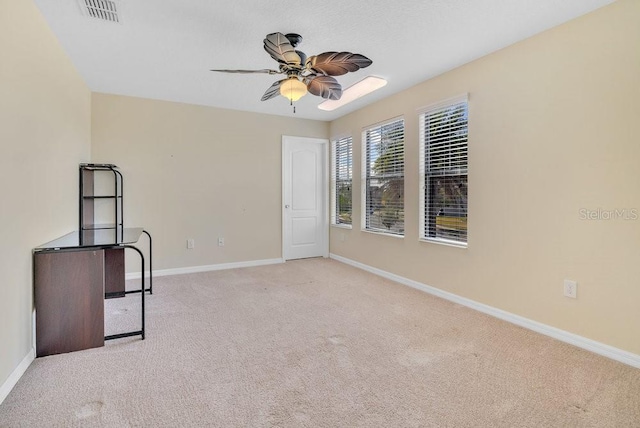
(305, 74)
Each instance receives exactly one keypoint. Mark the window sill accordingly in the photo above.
(375, 232)
(445, 242)
(342, 226)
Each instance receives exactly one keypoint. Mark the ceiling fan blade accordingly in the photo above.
(280, 49)
(273, 91)
(325, 87)
(265, 71)
(337, 63)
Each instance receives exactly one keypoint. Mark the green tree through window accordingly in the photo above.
(444, 146)
(384, 205)
(342, 180)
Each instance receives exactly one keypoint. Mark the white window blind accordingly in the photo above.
(342, 178)
(443, 167)
(383, 178)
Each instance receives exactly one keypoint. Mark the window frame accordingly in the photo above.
(365, 168)
(424, 173)
(334, 180)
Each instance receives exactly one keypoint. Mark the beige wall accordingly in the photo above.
(44, 134)
(552, 130)
(198, 172)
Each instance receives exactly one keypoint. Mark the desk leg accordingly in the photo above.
(150, 289)
(150, 263)
(141, 291)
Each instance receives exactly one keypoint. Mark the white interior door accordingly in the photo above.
(304, 213)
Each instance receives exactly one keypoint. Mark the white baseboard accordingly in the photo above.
(562, 335)
(17, 373)
(206, 268)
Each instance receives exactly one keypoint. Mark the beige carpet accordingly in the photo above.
(316, 343)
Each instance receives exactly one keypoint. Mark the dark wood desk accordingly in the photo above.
(72, 276)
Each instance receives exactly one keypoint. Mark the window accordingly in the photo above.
(443, 167)
(383, 178)
(341, 174)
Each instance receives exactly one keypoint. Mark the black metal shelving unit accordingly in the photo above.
(87, 224)
(88, 197)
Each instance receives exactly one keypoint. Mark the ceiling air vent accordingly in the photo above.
(104, 10)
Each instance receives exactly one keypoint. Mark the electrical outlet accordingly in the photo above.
(570, 288)
(220, 242)
(190, 244)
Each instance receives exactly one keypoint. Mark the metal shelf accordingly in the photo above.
(87, 197)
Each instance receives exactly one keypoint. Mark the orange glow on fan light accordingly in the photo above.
(353, 92)
(293, 89)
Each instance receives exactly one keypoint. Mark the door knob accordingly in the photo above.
(286, 206)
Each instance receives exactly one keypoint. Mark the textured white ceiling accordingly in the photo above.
(163, 49)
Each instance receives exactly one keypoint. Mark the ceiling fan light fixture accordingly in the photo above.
(293, 89)
(353, 92)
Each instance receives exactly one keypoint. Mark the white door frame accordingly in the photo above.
(325, 189)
